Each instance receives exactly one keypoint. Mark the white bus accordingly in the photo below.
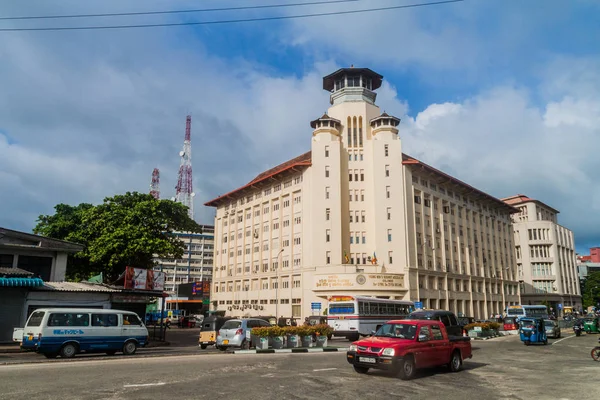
(521, 311)
(352, 316)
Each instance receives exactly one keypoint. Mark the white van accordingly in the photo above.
(66, 332)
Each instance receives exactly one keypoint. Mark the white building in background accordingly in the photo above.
(546, 258)
(197, 261)
(356, 216)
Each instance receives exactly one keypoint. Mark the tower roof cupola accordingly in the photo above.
(352, 84)
(326, 124)
(384, 122)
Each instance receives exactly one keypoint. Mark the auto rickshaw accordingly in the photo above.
(532, 331)
(210, 328)
(591, 325)
(510, 324)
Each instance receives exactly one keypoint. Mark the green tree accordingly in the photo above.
(125, 230)
(590, 290)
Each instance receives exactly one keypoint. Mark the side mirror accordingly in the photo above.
(372, 333)
(423, 338)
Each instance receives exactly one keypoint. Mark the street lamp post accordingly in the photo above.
(277, 287)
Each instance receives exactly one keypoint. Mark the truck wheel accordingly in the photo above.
(361, 370)
(407, 369)
(455, 362)
(203, 346)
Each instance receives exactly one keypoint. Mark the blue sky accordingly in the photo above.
(501, 94)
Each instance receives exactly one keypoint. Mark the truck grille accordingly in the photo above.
(362, 348)
(375, 349)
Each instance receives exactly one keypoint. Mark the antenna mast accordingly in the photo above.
(155, 185)
(184, 193)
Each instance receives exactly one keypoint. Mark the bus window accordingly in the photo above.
(363, 308)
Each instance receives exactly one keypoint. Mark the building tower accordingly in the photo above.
(184, 193)
(155, 185)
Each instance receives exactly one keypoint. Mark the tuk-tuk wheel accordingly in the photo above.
(545, 342)
(527, 343)
(203, 346)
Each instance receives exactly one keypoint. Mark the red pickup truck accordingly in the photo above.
(404, 346)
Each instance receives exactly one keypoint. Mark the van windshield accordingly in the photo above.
(36, 318)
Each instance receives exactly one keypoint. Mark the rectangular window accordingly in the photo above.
(328, 257)
(351, 218)
(350, 177)
(386, 150)
(362, 217)
(389, 213)
(327, 235)
(362, 175)
(326, 151)
(362, 195)
(389, 235)
(327, 192)
(327, 213)
(390, 258)
(327, 171)
(364, 238)
(387, 171)
(387, 192)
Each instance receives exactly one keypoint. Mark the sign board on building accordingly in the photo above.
(144, 279)
(560, 306)
(315, 306)
(364, 281)
(419, 305)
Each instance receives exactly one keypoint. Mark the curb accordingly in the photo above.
(294, 350)
(11, 350)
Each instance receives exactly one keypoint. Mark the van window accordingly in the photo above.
(445, 320)
(36, 318)
(105, 320)
(69, 319)
(131, 319)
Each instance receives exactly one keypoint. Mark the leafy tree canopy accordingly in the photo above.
(590, 290)
(125, 230)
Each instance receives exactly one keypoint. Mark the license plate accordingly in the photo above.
(368, 360)
(225, 341)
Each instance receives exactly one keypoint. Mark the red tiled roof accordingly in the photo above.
(305, 160)
(408, 160)
(301, 161)
(521, 199)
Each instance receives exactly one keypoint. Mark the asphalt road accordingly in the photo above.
(501, 368)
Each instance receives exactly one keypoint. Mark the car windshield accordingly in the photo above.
(401, 331)
(232, 325)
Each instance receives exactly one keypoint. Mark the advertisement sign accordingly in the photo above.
(144, 279)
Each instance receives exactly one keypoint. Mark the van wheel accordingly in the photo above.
(68, 350)
(111, 352)
(455, 362)
(50, 355)
(129, 348)
(203, 346)
(407, 369)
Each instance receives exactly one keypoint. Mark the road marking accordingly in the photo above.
(145, 384)
(324, 369)
(565, 338)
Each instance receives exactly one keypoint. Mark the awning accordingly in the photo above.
(21, 282)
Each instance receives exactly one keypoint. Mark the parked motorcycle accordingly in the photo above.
(596, 352)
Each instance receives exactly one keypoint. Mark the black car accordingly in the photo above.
(448, 318)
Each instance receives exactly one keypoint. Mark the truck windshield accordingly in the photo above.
(400, 331)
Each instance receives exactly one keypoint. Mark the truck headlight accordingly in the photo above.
(388, 352)
(352, 347)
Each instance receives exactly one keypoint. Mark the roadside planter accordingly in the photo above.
(260, 338)
(306, 341)
(482, 329)
(322, 331)
(321, 341)
(276, 337)
(292, 338)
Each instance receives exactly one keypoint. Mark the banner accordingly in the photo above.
(144, 279)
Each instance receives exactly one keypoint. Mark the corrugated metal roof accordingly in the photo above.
(78, 287)
(14, 272)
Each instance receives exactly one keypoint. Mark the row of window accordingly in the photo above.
(264, 284)
(296, 181)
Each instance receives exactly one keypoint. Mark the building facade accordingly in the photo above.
(545, 254)
(197, 261)
(356, 216)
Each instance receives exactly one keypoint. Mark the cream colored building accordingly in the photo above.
(545, 252)
(356, 216)
(197, 261)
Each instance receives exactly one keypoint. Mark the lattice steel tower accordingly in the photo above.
(155, 185)
(185, 194)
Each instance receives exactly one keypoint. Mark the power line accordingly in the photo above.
(256, 7)
(231, 21)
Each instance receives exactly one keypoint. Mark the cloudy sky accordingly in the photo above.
(503, 94)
